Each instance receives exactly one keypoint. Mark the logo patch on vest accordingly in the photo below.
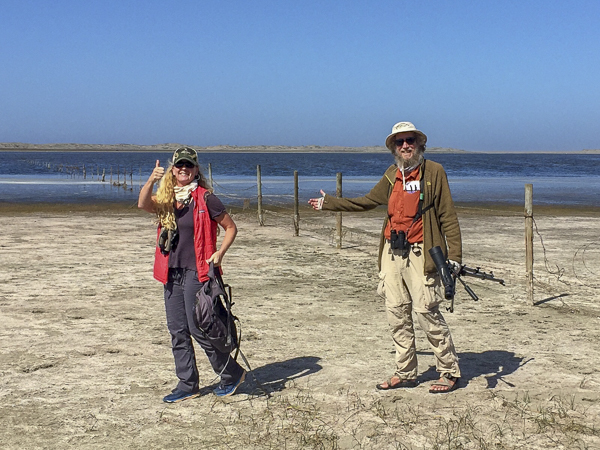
(413, 186)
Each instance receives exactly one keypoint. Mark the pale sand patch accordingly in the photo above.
(85, 357)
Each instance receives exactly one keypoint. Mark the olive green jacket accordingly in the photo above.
(440, 223)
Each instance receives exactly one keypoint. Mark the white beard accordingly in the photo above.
(410, 163)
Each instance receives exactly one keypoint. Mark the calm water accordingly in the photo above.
(557, 179)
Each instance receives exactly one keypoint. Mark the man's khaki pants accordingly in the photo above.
(406, 289)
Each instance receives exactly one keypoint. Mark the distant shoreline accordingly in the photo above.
(162, 148)
(213, 149)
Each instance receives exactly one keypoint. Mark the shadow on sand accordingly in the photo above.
(494, 365)
(274, 376)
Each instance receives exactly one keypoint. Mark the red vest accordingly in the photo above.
(205, 241)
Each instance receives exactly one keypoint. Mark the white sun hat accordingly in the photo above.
(402, 127)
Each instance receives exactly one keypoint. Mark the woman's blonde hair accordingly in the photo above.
(165, 197)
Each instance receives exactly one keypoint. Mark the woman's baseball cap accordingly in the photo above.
(185, 154)
(402, 127)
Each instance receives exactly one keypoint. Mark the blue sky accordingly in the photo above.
(476, 75)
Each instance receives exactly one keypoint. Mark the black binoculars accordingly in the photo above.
(398, 241)
(168, 240)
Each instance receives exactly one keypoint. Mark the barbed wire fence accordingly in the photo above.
(279, 201)
(557, 282)
(583, 264)
(586, 256)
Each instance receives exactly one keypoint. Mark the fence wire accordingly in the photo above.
(278, 203)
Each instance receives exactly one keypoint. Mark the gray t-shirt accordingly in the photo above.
(183, 255)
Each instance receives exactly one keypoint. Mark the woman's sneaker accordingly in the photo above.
(178, 396)
(225, 390)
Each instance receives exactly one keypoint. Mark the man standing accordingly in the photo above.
(420, 215)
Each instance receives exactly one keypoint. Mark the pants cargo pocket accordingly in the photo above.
(432, 292)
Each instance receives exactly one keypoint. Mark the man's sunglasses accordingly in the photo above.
(408, 140)
(186, 164)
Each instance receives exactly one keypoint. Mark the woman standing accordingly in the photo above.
(188, 214)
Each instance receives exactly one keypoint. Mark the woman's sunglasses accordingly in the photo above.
(186, 164)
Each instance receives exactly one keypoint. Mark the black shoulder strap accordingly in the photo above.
(420, 209)
(421, 192)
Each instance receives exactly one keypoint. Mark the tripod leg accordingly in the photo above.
(468, 289)
(260, 386)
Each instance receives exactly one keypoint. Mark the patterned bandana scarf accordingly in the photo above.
(183, 193)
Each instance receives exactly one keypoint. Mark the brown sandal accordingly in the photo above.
(387, 384)
(446, 383)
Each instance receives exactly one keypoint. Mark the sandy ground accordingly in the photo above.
(85, 357)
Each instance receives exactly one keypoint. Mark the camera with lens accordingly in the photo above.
(398, 241)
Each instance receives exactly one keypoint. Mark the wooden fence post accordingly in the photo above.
(338, 194)
(296, 211)
(210, 178)
(259, 186)
(529, 241)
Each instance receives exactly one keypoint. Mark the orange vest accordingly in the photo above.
(403, 206)
(205, 241)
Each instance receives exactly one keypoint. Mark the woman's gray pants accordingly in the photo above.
(180, 298)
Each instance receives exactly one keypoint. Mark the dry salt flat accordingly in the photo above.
(85, 357)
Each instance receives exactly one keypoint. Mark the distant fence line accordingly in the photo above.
(118, 177)
(131, 177)
(115, 176)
